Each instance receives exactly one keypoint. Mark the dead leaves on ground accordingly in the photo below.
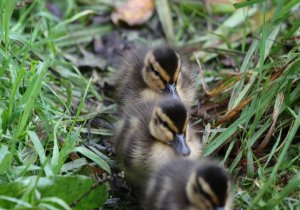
(133, 12)
(234, 112)
(228, 83)
(215, 98)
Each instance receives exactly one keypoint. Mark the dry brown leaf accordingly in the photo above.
(216, 91)
(133, 12)
(225, 85)
(234, 112)
(280, 71)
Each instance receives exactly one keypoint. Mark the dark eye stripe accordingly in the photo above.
(165, 124)
(158, 74)
(206, 195)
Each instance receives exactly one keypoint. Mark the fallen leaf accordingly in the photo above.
(225, 85)
(133, 12)
(216, 91)
(234, 112)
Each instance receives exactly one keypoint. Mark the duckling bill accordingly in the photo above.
(150, 133)
(184, 184)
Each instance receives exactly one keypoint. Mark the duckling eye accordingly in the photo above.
(153, 70)
(164, 124)
(156, 73)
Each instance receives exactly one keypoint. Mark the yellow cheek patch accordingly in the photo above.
(167, 135)
(160, 132)
(165, 118)
(195, 198)
(157, 82)
(152, 81)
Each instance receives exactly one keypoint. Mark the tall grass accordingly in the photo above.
(43, 109)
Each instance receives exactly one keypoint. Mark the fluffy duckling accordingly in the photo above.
(185, 184)
(150, 133)
(150, 72)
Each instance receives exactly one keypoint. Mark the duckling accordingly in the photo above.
(150, 133)
(184, 184)
(151, 72)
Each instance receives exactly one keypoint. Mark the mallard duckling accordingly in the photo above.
(150, 133)
(150, 72)
(185, 184)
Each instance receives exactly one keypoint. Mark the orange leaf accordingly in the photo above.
(133, 12)
(225, 85)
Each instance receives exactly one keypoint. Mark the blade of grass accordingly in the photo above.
(20, 76)
(74, 164)
(15, 200)
(75, 17)
(8, 11)
(5, 158)
(41, 152)
(165, 17)
(91, 155)
(292, 186)
(289, 138)
(222, 138)
(55, 153)
(247, 3)
(234, 100)
(250, 142)
(30, 95)
(271, 155)
(277, 108)
(69, 143)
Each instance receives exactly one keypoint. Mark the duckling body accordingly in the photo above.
(183, 184)
(150, 134)
(148, 73)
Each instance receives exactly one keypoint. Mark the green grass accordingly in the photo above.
(55, 110)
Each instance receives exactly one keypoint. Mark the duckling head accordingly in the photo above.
(161, 70)
(208, 187)
(169, 124)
